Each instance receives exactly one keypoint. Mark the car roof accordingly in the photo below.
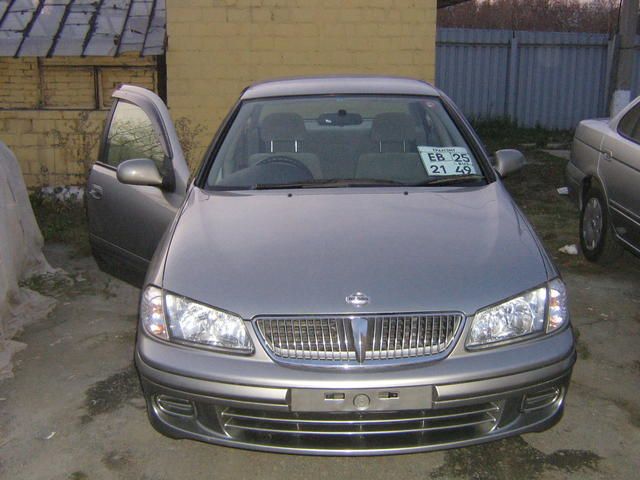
(337, 85)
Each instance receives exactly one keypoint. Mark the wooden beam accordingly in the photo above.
(6, 12)
(124, 26)
(27, 29)
(146, 32)
(92, 27)
(63, 21)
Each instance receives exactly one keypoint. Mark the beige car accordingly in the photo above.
(603, 177)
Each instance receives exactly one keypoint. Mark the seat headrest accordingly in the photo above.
(282, 126)
(393, 127)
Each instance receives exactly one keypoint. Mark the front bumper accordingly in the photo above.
(260, 416)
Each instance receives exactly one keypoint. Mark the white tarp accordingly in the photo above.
(20, 258)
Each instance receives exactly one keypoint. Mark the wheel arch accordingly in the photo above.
(589, 182)
(608, 248)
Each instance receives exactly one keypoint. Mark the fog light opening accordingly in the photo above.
(543, 398)
(175, 406)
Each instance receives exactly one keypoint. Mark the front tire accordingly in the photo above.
(597, 237)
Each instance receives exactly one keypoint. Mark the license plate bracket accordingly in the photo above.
(361, 400)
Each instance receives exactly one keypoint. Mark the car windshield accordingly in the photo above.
(343, 141)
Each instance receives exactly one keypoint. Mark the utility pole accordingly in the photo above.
(623, 71)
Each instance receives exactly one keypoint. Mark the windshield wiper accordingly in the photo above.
(359, 182)
(330, 183)
(451, 180)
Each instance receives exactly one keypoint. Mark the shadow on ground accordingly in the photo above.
(512, 459)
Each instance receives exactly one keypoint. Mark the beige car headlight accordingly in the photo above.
(183, 320)
(152, 313)
(536, 311)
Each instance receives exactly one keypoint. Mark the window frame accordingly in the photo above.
(103, 151)
(105, 136)
(633, 110)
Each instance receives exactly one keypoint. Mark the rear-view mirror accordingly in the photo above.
(508, 161)
(139, 171)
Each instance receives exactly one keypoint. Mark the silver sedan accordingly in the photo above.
(603, 177)
(345, 274)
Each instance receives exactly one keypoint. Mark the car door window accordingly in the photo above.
(635, 136)
(629, 126)
(132, 135)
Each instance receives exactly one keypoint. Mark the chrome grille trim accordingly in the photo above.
(328, 340)
(308, 338)
(477, 418)
(412, 336)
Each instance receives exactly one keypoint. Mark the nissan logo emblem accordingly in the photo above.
(357, 299)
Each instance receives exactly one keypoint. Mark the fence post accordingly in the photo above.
(512, 78)
(612, 47)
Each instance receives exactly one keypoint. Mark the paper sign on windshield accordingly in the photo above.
(440, 161)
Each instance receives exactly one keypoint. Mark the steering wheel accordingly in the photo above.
(291, 162)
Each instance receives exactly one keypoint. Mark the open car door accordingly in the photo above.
(136, 186)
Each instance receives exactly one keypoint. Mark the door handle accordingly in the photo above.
(95, 191)
(607, 155)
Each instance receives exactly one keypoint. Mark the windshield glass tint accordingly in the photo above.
(343, 141)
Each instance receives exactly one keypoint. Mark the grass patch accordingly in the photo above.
(48, 284)
(554, 217)
(61, 221)
(78, 475)
(498, 134)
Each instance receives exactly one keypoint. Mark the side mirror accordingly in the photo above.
(508, 161)
(139, 171)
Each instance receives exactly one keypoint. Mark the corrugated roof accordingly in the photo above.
(449, 3)
(47, 28)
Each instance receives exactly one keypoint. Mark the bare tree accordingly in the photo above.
(597, 16)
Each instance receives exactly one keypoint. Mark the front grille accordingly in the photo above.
(331, 338)
(359, 431)
(414, 336)
(308, 338)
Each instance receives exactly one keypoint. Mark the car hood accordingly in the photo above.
(304, 251)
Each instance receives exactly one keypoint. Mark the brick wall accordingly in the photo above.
(19, 83)
(49, 112)
(52, 110)
(216, 48)
(54, 147)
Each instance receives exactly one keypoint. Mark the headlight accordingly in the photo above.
(520, 316)
(152, 313)
(558, 312)
(190, 321)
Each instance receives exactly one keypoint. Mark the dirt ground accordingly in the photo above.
(74, 410)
